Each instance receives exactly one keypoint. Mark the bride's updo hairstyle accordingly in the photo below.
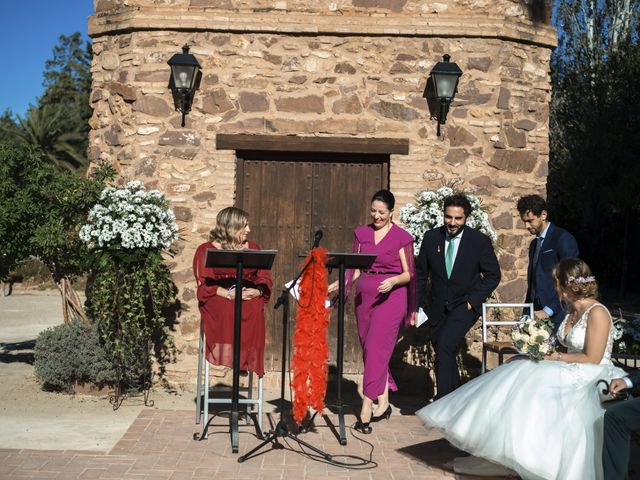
(229, 222)
(573, 276)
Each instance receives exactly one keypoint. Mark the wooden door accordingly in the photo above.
(291, 195)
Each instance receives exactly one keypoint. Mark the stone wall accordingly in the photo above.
(537, 10)
(283, 69)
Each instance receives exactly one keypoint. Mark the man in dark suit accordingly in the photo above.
(464, 270)
(619, 421)
(551, 245)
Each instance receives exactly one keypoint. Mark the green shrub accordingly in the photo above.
(33, 272)
(65, 355)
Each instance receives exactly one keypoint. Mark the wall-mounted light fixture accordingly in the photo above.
(445, 76)
(185, 77)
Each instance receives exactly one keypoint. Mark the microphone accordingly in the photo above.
(316, 239)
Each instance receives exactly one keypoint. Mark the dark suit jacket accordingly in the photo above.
(635, 379)
(558, 244)
(475, 273)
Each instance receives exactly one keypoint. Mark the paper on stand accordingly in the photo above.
(295, 293)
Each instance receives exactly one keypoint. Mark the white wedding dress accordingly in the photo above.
(541, 419)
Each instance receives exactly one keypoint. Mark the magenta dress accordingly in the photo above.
(379, 316)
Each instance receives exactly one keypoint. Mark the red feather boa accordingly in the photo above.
(310, 344)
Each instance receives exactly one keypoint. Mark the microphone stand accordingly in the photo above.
(281, 430)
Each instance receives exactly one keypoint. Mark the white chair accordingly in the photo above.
(501, 348)
(203, 390)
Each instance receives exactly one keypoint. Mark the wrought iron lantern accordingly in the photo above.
(185, 77)
(445, 76)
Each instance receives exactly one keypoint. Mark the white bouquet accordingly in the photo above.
(428, 213)
(533, 337)
(130, 218)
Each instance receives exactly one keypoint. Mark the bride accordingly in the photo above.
(541, 419)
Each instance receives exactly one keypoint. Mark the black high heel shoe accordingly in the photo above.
(386, 414)
(363, 427)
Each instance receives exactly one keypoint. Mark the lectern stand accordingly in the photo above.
(240, 259)
(342, 261)
(281, 430)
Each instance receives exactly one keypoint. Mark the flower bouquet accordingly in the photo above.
(533, 337)
(130, 218)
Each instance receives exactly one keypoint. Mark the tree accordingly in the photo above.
(8, 128)
(41, 211)
(593, 186)
(51, 129)
(59, 124)
(67, 77)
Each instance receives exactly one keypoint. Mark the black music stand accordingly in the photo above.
(342, 261)
(240, 259)
(281, 430)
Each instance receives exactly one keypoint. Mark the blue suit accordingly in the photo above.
(557, 244)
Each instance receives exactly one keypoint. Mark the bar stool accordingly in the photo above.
(203, 390)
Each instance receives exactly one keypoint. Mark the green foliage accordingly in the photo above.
(593, 185)
(67, 76)
(54, 130)
(59, 124)
(42, 209)
(67, 81)
(8, 128)
(132, 300)
(65, 355)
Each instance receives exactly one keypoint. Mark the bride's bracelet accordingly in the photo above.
(559, 356)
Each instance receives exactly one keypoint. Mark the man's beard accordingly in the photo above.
(458, 231)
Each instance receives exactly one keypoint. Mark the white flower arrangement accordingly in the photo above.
(533, 337)
(130, 218)
(428, 213)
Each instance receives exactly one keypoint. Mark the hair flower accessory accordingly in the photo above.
(581, 280)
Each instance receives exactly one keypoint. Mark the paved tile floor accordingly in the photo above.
(160, 445)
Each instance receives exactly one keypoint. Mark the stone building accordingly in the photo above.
(307, 107)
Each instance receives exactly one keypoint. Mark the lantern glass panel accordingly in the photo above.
(183, 76)
(445, 85)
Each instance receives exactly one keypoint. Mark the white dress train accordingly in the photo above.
(541, 419)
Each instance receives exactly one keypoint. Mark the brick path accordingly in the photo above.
(159, 445)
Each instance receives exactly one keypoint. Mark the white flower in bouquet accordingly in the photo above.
(427, 213)
(532, 336)
(130, 218)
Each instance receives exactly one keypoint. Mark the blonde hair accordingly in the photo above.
(574, 276)
(229, 222)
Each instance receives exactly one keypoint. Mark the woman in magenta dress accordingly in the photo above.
(385, 297)
(216, 296)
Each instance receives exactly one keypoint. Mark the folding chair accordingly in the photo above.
(203, 390)
(501, 348)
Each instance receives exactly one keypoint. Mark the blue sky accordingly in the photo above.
(29, 29)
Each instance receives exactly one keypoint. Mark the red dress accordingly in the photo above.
(217, 313)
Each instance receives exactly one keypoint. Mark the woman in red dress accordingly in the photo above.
(216, 296)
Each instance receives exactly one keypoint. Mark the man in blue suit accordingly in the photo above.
(551, 245)
(620, 420)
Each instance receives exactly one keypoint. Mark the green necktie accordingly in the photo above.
(448, 259)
